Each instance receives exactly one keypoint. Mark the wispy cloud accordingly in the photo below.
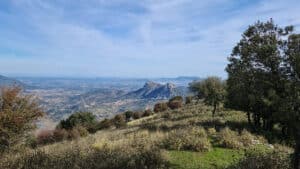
(128, 38)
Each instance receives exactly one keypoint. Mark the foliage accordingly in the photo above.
(160, 107)
(85, 119)
(119, 121)
(263, 158)
(212, 89)
(194, 139)
(17, 114)
(263, 79)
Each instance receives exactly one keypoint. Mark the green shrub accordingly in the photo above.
(194, 139)
(160, 107)
(85, 119)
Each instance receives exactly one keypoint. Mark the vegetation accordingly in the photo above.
(17, 114)
(263, 80)
(212, 89)
(160, 107)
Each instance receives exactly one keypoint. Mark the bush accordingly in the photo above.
(194, 139)
(104, 124)
(109, 155)
(232, 139)
(45, 137)
(60, 135)
(128, 115)
(147, 113)
(188, 99)
(229, 139)
(262, 158)
(160, 107)
(136, 115)
(176, 104)
(17, 114)
(85, 119)
(176, 98)
(119, 121)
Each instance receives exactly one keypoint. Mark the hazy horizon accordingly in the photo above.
(144, 39)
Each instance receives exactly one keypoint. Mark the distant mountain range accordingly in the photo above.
(152, 90)
(104, 97)
(7, 82)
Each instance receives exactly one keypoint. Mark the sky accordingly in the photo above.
(129, 38)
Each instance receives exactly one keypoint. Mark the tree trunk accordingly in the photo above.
(297, 150)
(249, 118)
(214, 110)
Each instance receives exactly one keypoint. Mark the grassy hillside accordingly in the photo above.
(186, 138)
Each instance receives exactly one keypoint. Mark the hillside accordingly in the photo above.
(186, 138)
(6, 81)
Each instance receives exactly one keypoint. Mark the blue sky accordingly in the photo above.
(128, 38)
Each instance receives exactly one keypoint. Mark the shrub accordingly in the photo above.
(176, 98)
(119, 121)
(60, 135)
(104, 124)
(85, 119)
(194, 139)
(78, 132)
(109, 155)
(262, 158)
(136, 115)
(128, 115)
(147, 113)
(229, 139)
(175, 104)
(232, 139)
(45, 137)
(160, 107)
(17, 114)
(188, 99)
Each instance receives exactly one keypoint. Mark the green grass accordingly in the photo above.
(216, 159)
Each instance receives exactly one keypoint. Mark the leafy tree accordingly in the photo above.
(263, 78)
(211, 89)
(17, 114)
(84, 119)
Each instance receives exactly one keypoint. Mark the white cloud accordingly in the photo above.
(122, 38)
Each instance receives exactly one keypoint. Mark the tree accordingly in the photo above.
(291, 102)
(255, 83)
(264, 78)
(17, 114)
(212, 89)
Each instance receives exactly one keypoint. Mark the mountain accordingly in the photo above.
(152, 90)
(6, 82)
